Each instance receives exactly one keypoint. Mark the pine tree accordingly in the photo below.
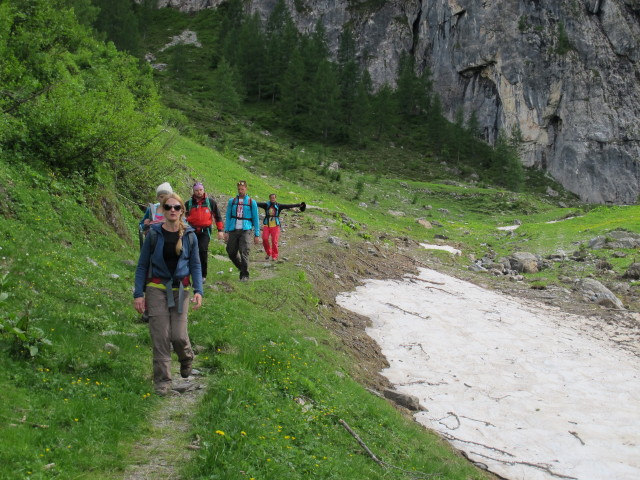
(362, 108)
(437, 125)
(384, 110)
(118, 21)
(424, 91)
(251, 59)
(293, 103)
(324, 103)
(317, 49)
(407, 85)
(282, 38)
(347, 76)
(224, 82)
(506, 169)
(230, 28)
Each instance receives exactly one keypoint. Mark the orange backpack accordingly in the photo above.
(199, 215)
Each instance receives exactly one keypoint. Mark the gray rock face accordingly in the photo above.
(564, 71)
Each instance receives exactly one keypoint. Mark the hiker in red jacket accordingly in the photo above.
(271, 228)
(202, 213)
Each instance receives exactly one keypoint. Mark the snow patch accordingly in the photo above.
(446, 248)
(520, 387)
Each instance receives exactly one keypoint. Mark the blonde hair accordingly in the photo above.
(181, 225)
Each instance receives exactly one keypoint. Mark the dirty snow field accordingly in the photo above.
(524, 389)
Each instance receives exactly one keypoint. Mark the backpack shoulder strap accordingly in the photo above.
(153, 239)
(153, 236)
(152, 211)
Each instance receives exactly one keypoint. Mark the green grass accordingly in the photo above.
(76, 403)
(279, 382)
(278, 390)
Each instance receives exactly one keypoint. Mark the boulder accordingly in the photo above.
(524, 262)
(633, 272)
(596, 292)
(403, 399)
(615, 239)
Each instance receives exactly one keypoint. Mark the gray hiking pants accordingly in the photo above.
(238, 247)
(168, 328)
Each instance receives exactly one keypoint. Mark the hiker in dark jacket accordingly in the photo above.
(202, 213)
(169, 259)
(271, 223)
(242, 222)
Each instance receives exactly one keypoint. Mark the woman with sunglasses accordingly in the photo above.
(169, 259)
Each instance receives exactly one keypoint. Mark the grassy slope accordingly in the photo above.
(277, 386)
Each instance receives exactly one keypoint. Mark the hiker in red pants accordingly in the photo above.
(271, 228)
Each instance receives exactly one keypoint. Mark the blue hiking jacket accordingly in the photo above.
(250, 217)
(188, 263)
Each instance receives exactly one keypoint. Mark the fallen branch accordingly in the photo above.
(362, 444)
(451, 438)
(434, 288)
(450, 414)
(426, 281)
(544, 468)
(23, 421)
(575, 434)
(408, 312)
(416, 475)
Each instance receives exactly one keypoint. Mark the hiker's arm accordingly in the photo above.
(197, 300)
(140, 304)
(289, 205)
(195, 268)
(217, 218)
(255, 218)
(146, 218)
(141, 273)
(227, 217)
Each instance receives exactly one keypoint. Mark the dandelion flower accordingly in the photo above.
(220, 432)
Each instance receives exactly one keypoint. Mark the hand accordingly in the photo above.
(147, 221)
(225, 237)
(139, 304)
(197, 301)
(256, 240)
(221, 236)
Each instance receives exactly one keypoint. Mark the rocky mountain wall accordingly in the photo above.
(566, 72)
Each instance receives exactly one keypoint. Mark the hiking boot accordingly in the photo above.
(268, 257)
(163, 390)
(185, 370)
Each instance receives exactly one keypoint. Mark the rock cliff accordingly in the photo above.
(566, 72)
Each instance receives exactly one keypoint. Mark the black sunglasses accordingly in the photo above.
(177, 208)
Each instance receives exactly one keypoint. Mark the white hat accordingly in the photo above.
(164, 188)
